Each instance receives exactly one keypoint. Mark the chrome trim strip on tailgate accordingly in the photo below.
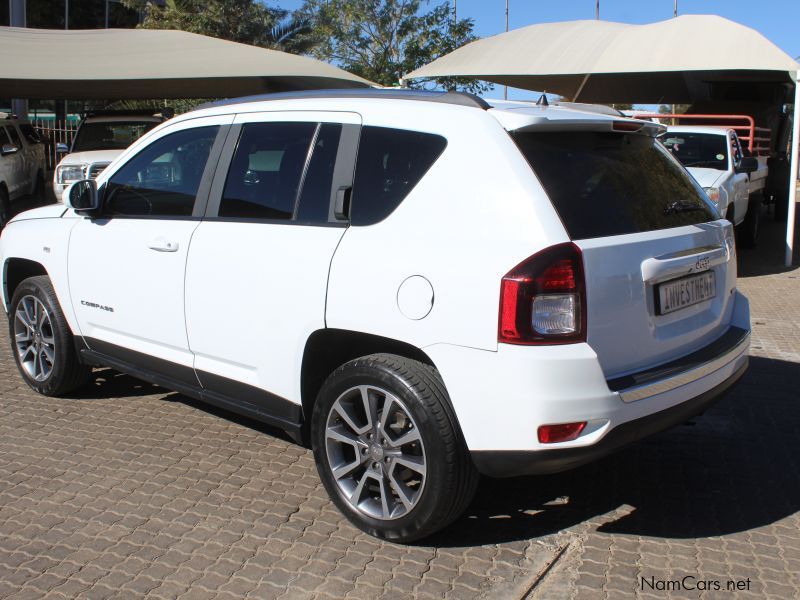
(693, 371)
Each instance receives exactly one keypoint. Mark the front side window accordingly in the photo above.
(30, 133)
(110, 135)
(162, 179)
(266, 170)
(390, 163)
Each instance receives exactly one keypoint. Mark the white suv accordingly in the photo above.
(422, 286)
(101, 137)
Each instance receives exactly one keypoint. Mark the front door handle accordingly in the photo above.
(161, 245)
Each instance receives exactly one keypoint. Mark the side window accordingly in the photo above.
(390, 163)
(266, 170)
(15, 139)
(30, 133)
(163, 179)
(4, 139)
(315, 197)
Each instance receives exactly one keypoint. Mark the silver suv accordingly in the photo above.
(22, 164)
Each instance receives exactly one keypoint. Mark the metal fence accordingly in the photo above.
(54, 133)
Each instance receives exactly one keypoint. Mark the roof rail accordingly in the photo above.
(458, 98)
(118, 112)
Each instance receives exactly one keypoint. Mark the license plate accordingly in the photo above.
(686, 291)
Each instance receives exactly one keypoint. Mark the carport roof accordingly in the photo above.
(148, 63)
(602, 61)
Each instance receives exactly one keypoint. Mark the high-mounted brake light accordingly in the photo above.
(543, 299)
(626, 126)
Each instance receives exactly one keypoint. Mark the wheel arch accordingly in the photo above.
(327, 349)
(15, 271)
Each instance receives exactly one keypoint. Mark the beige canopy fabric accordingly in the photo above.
(653, 63)
(147, 63)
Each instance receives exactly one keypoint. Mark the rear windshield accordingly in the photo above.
(604, 184)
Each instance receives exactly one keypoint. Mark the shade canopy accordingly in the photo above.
(148, 63)
(677, 60)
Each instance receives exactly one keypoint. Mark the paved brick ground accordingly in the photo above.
(716, 500)
(130, 490)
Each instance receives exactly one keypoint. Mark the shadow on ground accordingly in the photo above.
(732, 469)
(769, 255)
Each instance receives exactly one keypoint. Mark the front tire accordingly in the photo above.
(41, 340)
(389, 450)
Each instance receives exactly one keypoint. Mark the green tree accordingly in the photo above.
(244, 21)
(382, 40)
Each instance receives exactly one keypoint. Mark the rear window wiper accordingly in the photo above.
(682, 206)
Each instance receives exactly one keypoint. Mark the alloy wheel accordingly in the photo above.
(375, 452)
(33, 337)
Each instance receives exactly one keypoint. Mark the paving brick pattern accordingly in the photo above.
(129, 490)
(717, 500)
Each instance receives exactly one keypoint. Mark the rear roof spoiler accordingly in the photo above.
(621, 125)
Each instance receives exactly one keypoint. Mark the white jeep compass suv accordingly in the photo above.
(422, 286)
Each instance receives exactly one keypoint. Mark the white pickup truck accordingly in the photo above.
(733, 180)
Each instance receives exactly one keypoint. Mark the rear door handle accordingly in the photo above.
(161, 245)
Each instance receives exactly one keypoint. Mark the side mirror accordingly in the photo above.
(82, 197)
(8, 149)
(62, 148)
(747, 164)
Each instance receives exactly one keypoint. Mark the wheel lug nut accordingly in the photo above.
(375, 465)
(387, 459)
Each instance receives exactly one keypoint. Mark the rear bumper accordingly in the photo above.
(501, 398)
(512, 463)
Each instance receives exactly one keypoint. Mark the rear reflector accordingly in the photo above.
(564, 432)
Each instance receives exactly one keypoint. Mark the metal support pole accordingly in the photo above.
(675, 9)
(793, 174)
(18, 18)
(597, 10)
(66, 14)
(505, 87)
(106, 14)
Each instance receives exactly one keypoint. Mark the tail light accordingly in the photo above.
(543, 299)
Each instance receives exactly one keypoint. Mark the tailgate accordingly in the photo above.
(631, 324)
(659, 264)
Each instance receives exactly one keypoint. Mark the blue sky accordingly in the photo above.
(778, 20)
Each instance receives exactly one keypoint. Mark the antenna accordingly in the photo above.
(542, 101)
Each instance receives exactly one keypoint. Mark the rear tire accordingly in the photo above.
(389, 450)
(748, 234)
(38, 187)
(5, 208)
(41, 340)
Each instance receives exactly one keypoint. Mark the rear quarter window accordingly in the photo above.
(604, 184)
(390, 163)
